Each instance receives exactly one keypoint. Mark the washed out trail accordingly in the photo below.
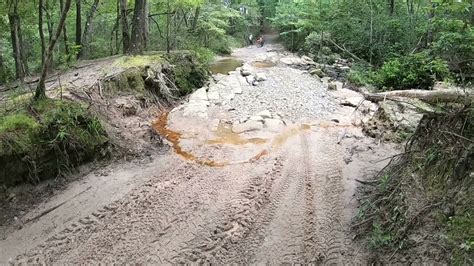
(256, 173)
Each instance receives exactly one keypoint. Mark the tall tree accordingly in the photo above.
(88, 29)
(78, 24)
(65, 39)
(40, 29)
(17, 44)
(125, 27)
(41, 88)
(137, 44)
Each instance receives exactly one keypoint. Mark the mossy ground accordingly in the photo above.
(186, 70)
(44, 139)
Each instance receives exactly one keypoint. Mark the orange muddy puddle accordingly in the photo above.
(175, 137)
(224, 135)
(285, 135)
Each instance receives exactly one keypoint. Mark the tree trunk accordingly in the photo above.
(138, 27)
(88, 29)
(40, 29)
(78, 24)
(168, 27)
(41, 88)
(196, 18)
(125, 28)
(3, 72)
(392, 7)
(66, 45)
(435, 96)
(15, 31)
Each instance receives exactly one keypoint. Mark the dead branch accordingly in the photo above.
(437, 96)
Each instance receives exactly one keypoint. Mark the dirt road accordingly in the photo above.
(256, 174)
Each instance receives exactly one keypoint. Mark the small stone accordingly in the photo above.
(265, 114)
(317, 71)
(250, 79)
(247, 126)
(274, 125)
(260, 77)
(256, 118)
(213, 95)
(325, 80)
(199, 95)
(336, 85)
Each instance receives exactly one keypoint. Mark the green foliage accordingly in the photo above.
(189, 73)
(45, 139)
(372, 32)
(460, 237)
(411, 71)
(378, 237)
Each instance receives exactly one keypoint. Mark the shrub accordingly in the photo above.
(410, 72)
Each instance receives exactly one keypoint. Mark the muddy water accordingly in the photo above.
(175, 138)
(264, 64)
(225, 65)
(224, 135)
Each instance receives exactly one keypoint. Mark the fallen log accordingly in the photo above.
(436, 96)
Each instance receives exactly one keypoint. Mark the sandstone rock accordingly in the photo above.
(199, 95)
(265, 114)
(317, 71)
(336, 85)
(325, 80)
(213, 95)
(249, 125)
(250, 79)
(256, 118)
(260, 77)
(246, 70)
(274, 125)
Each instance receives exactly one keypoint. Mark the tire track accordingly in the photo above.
(328, 200)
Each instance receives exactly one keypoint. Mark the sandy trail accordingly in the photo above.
(293, 204)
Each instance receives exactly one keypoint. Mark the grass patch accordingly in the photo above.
(46, 139)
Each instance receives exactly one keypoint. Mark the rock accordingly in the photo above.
(352, 101)
(325, 80)
(246, 71)
(255, 83)
(274, 125)
(317, 71)
(336, 85)
(265, 114)
(213, 95)
(199, 95)
(256, 118)
(260, 77)
(250, 79)
(249, 125)
(238, 89)
(345, 68)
